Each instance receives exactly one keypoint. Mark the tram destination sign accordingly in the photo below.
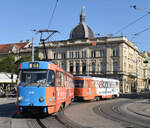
(34, 65)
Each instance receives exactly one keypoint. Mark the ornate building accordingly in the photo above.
(147, 69)
(111, 57)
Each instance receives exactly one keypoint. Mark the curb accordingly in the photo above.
(138, 113)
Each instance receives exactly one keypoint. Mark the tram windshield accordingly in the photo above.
(37, 77)
(78, 83)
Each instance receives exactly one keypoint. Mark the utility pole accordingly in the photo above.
(32, 49)
(42, 39)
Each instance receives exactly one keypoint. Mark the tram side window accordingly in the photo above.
(51, 78)
(78, 83)
(62, 79)
(66, 83)
(65, 80)
(58, 79)
(71, 82)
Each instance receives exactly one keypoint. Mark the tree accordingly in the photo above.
(25, 58)
(8, 64)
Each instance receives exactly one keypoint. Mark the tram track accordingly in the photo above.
(55, 121)
(47, 122)
(115, 113)
(58, 120)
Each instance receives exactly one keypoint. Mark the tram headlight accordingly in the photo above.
(41, 99)
(19, 98)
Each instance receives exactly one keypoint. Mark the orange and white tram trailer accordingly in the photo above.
(95, 88)
(43, 88)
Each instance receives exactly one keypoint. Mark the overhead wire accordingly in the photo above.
(51, 18)
(120, 30)
(146, 29)
(138, 33)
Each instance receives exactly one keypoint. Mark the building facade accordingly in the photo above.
(111, 57)
(147, 70)
(17, 49)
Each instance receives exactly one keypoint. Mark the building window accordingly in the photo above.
(93, 67)
(56, 55)
(83, 54)
(63, 55)
(102, 53)
(102, 67)
(93, 53)
(71, 54)
(116, 52)
(115, 66)
(84, 68)
(63, 65)
(71, 67)
(77, 54)
(77, 67)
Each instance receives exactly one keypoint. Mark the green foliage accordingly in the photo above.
(25, 58)
(9, 64)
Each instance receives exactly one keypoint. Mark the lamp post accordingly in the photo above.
(32, 50)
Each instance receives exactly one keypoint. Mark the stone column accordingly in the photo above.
(67, 66)
(74, 67)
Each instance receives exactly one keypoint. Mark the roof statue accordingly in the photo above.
(82, 16)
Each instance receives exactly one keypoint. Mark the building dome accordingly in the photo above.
(82, 30)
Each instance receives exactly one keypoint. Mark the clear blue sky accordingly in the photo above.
(20, 17)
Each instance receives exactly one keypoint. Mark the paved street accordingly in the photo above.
(83, 114)
(7, 109)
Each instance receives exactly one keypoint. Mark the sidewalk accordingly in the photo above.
(7, 109)
(141, 107)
